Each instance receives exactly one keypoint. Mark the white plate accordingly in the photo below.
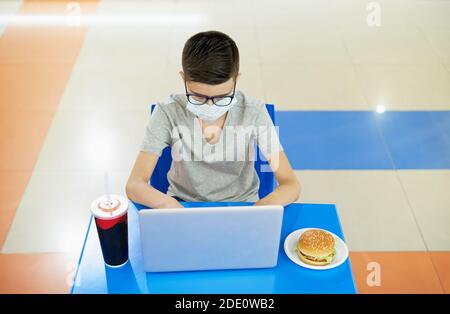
(291, 243)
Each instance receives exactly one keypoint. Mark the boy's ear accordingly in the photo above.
(238, 76)
(181, 75)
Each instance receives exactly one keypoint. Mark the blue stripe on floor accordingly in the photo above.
(417, 140)
(366, 140)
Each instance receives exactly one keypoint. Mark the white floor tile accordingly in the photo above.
(439, 37)
(134, 6)
(428, 193)
(219, 14)
(133, 29)
(430, 13)
(301, 45)
(406, 87)
(373, 210)
(304, 87)
(93, 141)
(293, 13)
(389, 46)
(114, 83)
(127, 42)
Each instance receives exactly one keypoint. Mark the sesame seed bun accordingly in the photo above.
(314, 244)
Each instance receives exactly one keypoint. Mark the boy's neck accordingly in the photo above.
(212, 135)
(219, 122)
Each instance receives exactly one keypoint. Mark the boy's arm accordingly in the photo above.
(138, 188)
(288, 189)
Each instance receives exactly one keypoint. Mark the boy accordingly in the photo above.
(211, 129)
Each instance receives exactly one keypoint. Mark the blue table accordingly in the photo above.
(94, 277)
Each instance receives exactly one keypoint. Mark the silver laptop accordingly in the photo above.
(207, 238)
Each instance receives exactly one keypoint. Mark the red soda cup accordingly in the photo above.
(111, 219)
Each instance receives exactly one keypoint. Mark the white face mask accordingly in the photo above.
(209, 113)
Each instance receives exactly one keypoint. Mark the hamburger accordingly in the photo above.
(316, 247)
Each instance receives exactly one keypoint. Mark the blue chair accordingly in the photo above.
(267, 179)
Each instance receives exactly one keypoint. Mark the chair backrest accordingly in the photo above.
(267, 179)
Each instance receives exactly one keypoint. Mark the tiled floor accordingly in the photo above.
(35, 64)
(74, 102)
(427, 193)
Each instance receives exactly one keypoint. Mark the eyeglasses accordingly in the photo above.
(198, 99)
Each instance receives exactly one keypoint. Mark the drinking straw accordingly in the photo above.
(108, 194)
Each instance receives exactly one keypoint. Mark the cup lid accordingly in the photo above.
(104, 209)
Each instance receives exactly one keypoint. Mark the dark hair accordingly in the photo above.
(210, 57)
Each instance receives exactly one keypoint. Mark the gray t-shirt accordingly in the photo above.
(201, 171)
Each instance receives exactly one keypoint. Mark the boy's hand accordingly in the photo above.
(170, 202)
